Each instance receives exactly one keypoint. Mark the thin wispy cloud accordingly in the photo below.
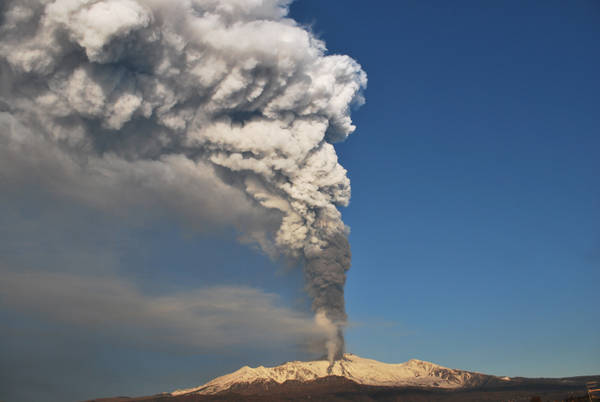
(205, 319)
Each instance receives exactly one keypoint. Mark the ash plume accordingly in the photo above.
(221, 111)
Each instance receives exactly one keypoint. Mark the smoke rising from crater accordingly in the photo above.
(222, 111)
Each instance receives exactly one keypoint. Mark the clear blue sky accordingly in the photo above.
(475, 212)
(475, 200)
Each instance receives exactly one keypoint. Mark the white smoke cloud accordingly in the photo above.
(222, 111)
(331, 331)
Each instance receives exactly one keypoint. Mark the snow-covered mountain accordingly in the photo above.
(413, 373)
(357, 379)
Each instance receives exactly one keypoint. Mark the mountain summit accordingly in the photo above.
(353, 378)
(413, 373)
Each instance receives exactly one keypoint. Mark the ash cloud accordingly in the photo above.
(221, 111)
(198, 320)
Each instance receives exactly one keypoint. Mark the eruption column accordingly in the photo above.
(223, 111)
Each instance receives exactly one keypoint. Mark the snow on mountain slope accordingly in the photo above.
(363, 371)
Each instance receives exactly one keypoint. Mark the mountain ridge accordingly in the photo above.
(413, 373)
(354, 378)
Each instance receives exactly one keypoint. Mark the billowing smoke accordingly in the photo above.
(223, 111)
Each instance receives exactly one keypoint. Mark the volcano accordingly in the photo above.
(413, 373)
(359, 379)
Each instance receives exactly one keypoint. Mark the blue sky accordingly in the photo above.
(475, 202)
(474, 214)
